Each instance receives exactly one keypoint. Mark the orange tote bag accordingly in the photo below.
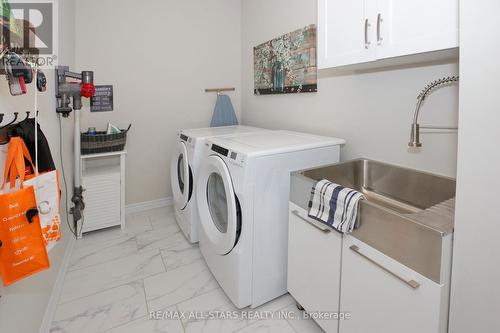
(47, 195)
(22, 246)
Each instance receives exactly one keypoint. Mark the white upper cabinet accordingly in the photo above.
(360, 31)
(345, 32)
(411, 27)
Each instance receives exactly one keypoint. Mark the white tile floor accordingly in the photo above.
(117, 277)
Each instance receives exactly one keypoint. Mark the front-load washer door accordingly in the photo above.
(218, 205)
(181, 179)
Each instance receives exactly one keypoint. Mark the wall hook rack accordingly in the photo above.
(16, 115)
(219, 90)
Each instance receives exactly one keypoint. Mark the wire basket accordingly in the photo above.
(102, 142)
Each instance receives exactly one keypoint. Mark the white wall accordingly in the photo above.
(372, 110)
(23, 305)
(475, 301)
(160, 56)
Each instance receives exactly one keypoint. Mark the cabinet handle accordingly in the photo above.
(379, 22)
(324, 229)
(367, 43)
(412, 283)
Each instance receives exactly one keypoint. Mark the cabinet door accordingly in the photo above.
(314, 266)
(405, 27)
(380, 301)
(346, 32)
(102, 198)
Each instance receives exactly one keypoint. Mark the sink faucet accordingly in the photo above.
(415, 127)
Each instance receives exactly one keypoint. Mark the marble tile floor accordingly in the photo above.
(117, 278)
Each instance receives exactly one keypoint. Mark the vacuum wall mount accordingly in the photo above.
(66, 90)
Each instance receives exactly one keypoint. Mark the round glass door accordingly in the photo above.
(181, 164)
(217, 205)
(180, 179)
(217, 201)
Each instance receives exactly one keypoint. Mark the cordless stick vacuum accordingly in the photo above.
(65, 91)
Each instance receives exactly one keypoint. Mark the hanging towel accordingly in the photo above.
(224, 112)
(335, 205)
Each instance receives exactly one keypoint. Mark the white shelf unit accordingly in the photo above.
(103, 181)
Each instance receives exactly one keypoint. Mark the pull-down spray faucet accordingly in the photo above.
(415, 127)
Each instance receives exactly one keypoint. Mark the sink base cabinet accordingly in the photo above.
(314, 267)
(383, 295)
(329, 272)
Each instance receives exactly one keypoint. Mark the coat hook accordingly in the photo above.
(16, 114)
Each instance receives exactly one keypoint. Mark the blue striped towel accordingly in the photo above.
(335, 205)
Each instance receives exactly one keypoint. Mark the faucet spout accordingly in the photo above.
(415, 127)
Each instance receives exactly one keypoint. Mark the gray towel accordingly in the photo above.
(224, 114)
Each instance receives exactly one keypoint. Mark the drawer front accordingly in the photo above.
(314, 259)
(383, 295)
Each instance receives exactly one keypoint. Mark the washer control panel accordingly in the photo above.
(220, 150)
(230, 156)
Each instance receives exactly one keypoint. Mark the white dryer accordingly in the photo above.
(184, 169)
(243, 193)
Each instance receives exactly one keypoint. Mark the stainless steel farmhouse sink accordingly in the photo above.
(407, 214)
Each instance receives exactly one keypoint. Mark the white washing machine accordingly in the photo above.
(184, 169)
(243, 193)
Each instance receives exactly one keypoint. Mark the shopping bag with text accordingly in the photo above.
(22, 246)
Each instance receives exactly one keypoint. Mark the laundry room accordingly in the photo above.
(249, 166)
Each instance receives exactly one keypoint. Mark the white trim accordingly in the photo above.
(147, 205)
(114, 153)
(58, 287)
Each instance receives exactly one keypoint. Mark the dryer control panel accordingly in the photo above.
(188, 140)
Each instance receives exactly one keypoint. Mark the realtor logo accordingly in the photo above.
(29, 28)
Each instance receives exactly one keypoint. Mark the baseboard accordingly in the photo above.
(147, 205)
(58, 287)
